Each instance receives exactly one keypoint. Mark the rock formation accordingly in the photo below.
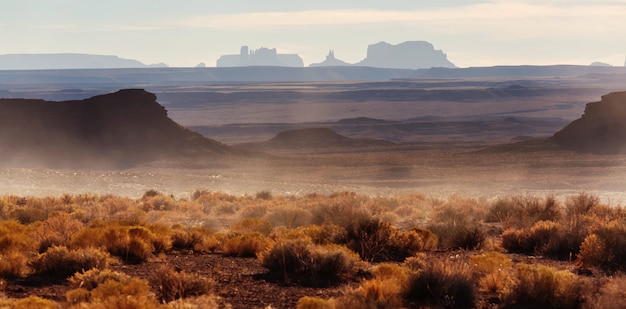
(115, 130)
(601, 129)
(260, 57)
(67, 61)
(311, 138)
(330, 61)
(407, 55)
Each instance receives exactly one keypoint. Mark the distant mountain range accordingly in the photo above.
(68, 61)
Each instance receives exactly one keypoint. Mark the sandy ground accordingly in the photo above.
(438, 170)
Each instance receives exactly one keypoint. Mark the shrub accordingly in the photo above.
(264, 195)
(106, 289)
(199, 239)
(302, 262)
(90, 279)
(174, 285)
(444, 283)
(246, 245)
(131, 244)
(59, 261)
(376, 293)
(606, 248)
(57, 229)
(13, 264)
(544, 238)
(378, 241)
(289, 216)
(249, 225)
(538, 284)
(612, 294)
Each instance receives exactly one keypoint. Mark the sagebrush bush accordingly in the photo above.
(538, 284)
(605, 248)
(445, 283)
(302, 262)
(106, 289)
(57, 230)
(246, 245)
(249, 225)
(289, 216)
(524, 211)
(61, 262)
(174, 285)
(375, 293)
(378, 241)
(13, 264)
(132, 244)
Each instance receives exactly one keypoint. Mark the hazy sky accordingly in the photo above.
(187, 32)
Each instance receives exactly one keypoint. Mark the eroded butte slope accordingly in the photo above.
(313, 138)
(601, 129)
(114, 130)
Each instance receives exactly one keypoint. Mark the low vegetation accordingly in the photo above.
(384, 252)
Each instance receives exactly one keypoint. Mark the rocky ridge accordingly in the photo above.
(114, 130)
(601, 129)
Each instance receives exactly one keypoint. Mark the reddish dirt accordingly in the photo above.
(240, 282)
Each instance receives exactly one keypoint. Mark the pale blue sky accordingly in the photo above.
(186, 32)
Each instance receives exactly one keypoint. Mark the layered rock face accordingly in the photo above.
(601, 129)
(115, 130)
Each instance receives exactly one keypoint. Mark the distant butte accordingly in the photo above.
(116, 130)
(408, 55)
(601, 129)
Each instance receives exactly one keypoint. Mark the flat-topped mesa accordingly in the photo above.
(601, 129)
(114, 130)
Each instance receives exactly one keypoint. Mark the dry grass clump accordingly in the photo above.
(375, 293)
(302, 262)
(62, 262)
(173, 285)
(496, 272)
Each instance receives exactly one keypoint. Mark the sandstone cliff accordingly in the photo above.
(108, 131)
(601, 129)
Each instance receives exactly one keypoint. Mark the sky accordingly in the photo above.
(183, 33)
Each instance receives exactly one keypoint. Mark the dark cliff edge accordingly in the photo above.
(601, 129)
(117, 130)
